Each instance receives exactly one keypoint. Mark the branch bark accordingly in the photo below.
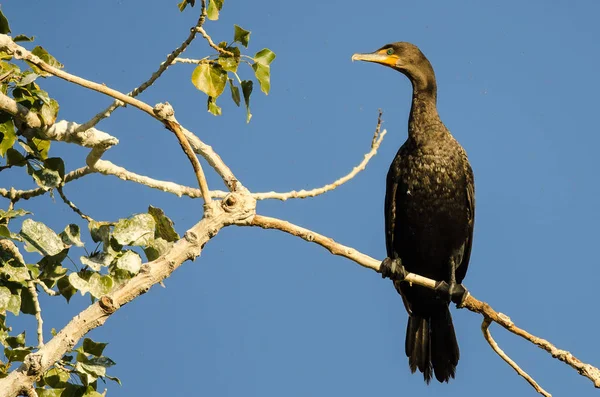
(235, 208)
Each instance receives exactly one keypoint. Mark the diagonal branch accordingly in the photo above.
(485, 328)
(470, 303)
(377, 139)
(161, 69)
(235, 208)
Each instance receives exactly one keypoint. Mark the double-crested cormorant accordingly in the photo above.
(429, 214)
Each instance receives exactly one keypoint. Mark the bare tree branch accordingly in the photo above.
(234, 209)
(47, 290)
(38, 312)
(16, 195)
(470, 303)
(161, 69)
(211, 43)
(324, 189)
(485, 328)
(167, 114)
(72, 206)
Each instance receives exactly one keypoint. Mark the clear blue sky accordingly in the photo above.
(264, 314)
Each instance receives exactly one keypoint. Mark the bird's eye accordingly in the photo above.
(390, 51)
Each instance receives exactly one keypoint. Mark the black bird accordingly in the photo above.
(429, 215)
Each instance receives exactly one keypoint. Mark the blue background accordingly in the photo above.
(264, 314)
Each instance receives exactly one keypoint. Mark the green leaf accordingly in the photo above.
(60, 392)
(42, 146)
(71, 235)
(96, 285)
(247, 90)
(93, 348)
(52, 273)
(7, 133)
(15, 303)
(18, 354)
(137, 230)
(228, 62)
(100, 231)
(65, 288)
(164, 225)
(4, 232)
(12, 213)
(129, 261)
(27, 302)
(264, 57)
(210, 78)
(45, 178)
(16, 341)
(27, 78)
(263, 75)
(5, 295)
(49, 112)
(56, 377)
(213, 9)
(55, 164)
(15, 158)
(90, 392)
(156, 248)
(41, 237)
(46, 57)
(213, 107)
(17, 274)
(4, 27)
(235, 92)
(241, 35)
(184, 4)
(22, 37)
(97, 260)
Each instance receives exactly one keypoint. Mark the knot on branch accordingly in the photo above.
(108, 305)
(33, 364)
(164, 111)
(243, 206)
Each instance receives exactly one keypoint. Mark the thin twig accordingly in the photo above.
(16, 195)
(470, 303)
(161, 69)
(586, 370)
(485, 328)
(167, 114)
(192, 61)
(38, 312)
(47, 290)
(211, 43)
(72, 205)
(318, 191)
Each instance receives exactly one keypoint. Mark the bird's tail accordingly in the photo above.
(431, 345)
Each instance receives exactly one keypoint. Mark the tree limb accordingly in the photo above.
(470, 303)
(485, 328)
(235, 208)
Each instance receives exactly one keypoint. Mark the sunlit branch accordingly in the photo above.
(485, 328)
(38, 312)
(72, 205)
(469, 303)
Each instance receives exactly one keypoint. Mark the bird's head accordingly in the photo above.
(405, 58)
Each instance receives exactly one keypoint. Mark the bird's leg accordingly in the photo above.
(452, 291)
(392, 269)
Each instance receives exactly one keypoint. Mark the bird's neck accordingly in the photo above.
(424, 121)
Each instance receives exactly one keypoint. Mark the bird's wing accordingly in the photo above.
(391, 200)
(462, 268)
(390, 212)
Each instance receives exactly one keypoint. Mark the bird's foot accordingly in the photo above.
(454, 292)
(392, 269)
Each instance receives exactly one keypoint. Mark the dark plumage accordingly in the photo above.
(429, 214)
